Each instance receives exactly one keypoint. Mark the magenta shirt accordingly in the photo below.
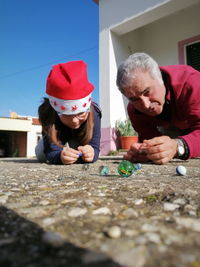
(182, 84)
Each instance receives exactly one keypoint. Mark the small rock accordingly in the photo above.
(136, 257)
(189, 207)
(92, 257)
(153, 237)
(141, 240)
(149, 228)
(6, 241)
(85, 167)
(170, 206)
(3, 199)
(130, 212)
(44, 202)
(76, 212)
(169, 220)
(180, 201)
(15, 189)
(101, 194)
(53, 239)
(189, 223)
(48, 221)
(104, 211)
(130, 232)
(192, 213)
(114, 231)
(138, 201)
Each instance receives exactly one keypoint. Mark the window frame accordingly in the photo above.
(182, 47)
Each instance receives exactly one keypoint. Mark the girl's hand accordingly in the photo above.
(88, 153)
(69, 155)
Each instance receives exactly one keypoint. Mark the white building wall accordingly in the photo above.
(160, 38)
(32, 139)
(128, 26)
(8, 124)
(116, 12)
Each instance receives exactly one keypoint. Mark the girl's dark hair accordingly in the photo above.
(57, 132)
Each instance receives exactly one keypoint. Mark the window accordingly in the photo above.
(193, 55)
(189, 52)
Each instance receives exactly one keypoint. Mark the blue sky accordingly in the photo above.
(37, 34)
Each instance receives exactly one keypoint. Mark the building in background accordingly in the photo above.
(19, 136)
(168, 30)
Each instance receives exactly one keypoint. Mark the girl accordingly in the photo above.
(70, 120)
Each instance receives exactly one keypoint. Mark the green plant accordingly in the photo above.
(124, 128)
(112, 153)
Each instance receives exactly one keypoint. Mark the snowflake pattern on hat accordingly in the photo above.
(70, 107)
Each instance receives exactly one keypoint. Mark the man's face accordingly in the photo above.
(147, 94)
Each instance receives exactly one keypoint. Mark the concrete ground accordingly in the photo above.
(72, 216)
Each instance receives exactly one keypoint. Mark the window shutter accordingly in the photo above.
(193, 55)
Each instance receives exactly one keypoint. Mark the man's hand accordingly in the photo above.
(160, 149)
(137, 153)
(69, 155)
(88, 153)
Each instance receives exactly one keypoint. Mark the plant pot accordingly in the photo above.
(127, 141)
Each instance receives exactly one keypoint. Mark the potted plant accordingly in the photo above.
(126, 132)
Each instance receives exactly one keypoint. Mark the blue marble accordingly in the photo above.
(103, 170)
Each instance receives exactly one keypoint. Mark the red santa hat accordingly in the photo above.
(68, 88)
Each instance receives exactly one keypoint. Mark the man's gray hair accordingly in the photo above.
(127, 71)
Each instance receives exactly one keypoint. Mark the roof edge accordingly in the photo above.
(96, 1)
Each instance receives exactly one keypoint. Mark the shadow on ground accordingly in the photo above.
(22, 244)
(20, 160)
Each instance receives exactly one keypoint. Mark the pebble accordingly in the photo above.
(149, 228)
(104, 211)
(53, 239)
(48, 221)
(85, 167)
(189, 223)
(3, 199)
(138, 201)
(114, 231)
(181, 170)
(76, 212)
(130, 232)
(180, 201)
(7, 241)
(135, 257)
(192, 213)
(44, 202)
(170, 206)
(153, 237)
(130, 212)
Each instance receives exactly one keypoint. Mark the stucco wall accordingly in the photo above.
(25, 132)
(113, 12)
(154, 27)
(160, 38)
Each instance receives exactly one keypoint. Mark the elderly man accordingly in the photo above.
(164, 108)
